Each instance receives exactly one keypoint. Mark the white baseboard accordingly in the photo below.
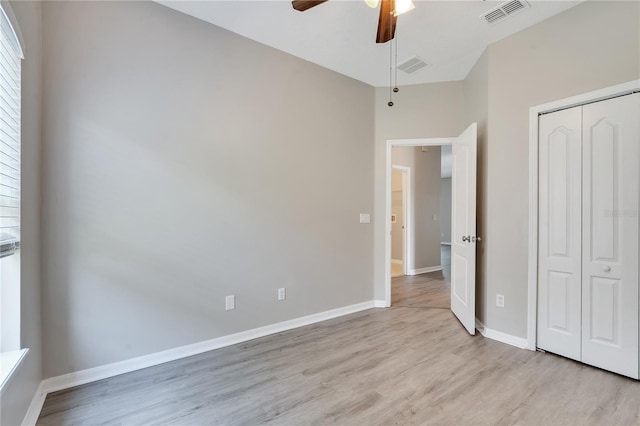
(78, 378)
(380, 304)
(33, 412)
(397, 261)
(425, 270)
(445, 244)
(499, 336)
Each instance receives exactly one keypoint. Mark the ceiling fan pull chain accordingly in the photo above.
(395, 86)
(390, 103)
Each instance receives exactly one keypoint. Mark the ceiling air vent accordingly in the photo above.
(505, 10)
(412, 65)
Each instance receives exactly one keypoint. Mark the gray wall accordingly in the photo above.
(425, 202)
(420, 111)
(18, 394)
(588, 47)
(445, 210)
(183, 163)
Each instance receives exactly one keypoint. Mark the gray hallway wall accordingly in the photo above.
(445, 210)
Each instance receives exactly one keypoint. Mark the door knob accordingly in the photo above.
(606, 268)
(470, 239)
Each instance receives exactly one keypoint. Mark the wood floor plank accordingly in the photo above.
(403, 365)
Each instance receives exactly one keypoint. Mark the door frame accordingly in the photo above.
(387, 203)
(534, 114)
(407, 234)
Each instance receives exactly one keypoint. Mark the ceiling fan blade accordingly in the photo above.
(302, 5)
(386, 21)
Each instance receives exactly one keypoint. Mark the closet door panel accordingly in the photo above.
(611, 182)
(559, 257)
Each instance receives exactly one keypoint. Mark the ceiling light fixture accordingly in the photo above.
(403, 6)
(386, 20)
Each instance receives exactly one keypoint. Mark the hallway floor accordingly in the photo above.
(431, 290)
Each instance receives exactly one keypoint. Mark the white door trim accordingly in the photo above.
(387, 221)
(534, 113)
(407, 258)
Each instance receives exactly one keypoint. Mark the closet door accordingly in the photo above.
(559, 256)
(611, 158)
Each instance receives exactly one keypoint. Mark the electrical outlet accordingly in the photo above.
(500, 300)
(230, 302)
(282, 294)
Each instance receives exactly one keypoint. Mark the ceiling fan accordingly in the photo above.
(389, 11)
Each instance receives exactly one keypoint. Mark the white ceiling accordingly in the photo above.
(340, 34)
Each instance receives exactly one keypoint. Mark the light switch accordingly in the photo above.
(435, 217)
(230, 302)
(365, 218)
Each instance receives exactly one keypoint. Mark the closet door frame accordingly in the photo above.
(534, 114)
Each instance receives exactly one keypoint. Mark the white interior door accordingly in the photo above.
(611, 158)
(560, 240)
(463, 228)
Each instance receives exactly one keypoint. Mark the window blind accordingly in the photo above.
(10, 62)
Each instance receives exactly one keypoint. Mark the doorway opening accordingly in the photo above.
(421, 226)
(463, 221)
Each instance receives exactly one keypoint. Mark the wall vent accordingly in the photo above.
(412, 65)
(505, 10)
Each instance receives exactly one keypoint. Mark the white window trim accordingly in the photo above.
(9, 364)
(11, 361)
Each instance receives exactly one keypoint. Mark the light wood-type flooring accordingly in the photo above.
(402, 365)
(430, 290)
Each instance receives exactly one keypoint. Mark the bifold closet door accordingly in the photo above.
(560, 243)
(611, 186)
